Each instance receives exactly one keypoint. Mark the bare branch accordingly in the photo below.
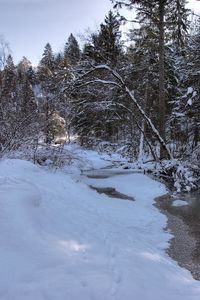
(4, 51)
(132, 97)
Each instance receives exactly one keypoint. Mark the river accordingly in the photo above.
(183, 213)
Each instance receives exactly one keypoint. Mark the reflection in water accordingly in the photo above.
(194, 201)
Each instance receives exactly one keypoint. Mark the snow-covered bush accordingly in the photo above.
(184, 179)
(183, 175)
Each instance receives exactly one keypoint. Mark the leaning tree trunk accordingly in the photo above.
(122, 86)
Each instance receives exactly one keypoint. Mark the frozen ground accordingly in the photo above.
(60, 240)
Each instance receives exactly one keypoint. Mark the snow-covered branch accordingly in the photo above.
(142, 131)
(149, 122)
(130, 93)
(109, 82)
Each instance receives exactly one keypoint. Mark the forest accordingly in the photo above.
(100, 152)
(135, 93)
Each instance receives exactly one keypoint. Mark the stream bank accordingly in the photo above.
(183, 218)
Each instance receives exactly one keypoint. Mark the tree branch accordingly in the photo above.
(123, 87)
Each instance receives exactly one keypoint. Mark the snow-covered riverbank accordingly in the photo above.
(61, 240)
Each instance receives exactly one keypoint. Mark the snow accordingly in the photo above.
(38, 91)
(189, 90)
(62, 240)
(184, 178)
(89, 159)
(189, 102)
(179, 203)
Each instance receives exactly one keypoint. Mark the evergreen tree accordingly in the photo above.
(24, 65)
(7, 99)
(46, 71)
(157, 12)
(58, 61)
(187, 108)
(72, 52)
(178, 23)
(18, 105)
(26, 100)
(9, 76)
(47, 60)
(48, 89)
(105, 46)
(31, 76)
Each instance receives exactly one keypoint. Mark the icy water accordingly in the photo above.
(112, 193)
(183, 213)
(106, 173)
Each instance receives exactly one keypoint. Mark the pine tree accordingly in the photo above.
(18, 106)
(105, 46)
(9, 76)
(31, 76)
(178, 23)
(26, 99)
(109, 38)
(72, 52)
(47, 60)
(46, 77)
(24, 65)
(157, 12)
(187, 106)
(58, 61)
(7, 99)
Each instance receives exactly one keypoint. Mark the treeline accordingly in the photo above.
(142, 94)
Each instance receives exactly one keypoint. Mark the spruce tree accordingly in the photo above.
(7, 100)
(24, 65)
(47, 60)
(106, 45)
(187, 107)
(72, 52)
(158, 13)
(9, 76)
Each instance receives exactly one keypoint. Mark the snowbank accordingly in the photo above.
(61, 240)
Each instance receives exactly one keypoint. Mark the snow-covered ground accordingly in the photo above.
(179, 203)
(61, 240)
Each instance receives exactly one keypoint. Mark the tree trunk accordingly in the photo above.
(161, 106)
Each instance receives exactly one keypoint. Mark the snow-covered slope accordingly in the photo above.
(61, 240)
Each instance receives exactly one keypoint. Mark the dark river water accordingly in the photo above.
(183, 213)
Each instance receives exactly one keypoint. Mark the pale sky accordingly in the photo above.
(29, 24)
(195, 5)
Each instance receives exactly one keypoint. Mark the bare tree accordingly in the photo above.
(4, 51)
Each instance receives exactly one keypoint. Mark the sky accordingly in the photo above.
(29, 24)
